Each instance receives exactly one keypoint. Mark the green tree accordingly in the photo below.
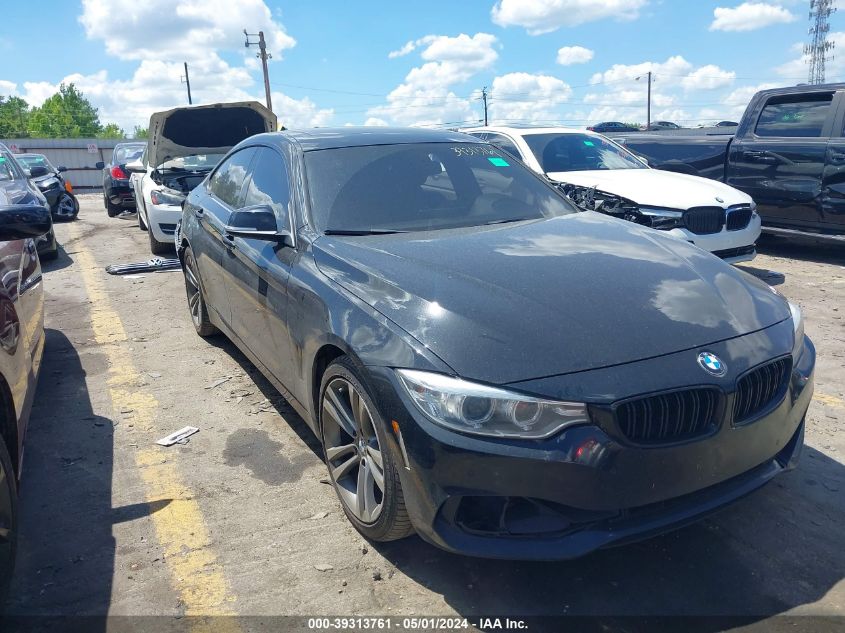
(67, 114)
(112, 130)
(14, 117)
(140, 132)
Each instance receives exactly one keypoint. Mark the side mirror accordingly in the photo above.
(62, 169)
(38, 171)
(259, 223)
(99, 165)
(18, 222)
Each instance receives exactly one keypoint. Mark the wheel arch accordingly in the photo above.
(9, 423)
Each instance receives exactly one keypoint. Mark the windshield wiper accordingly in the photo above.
(508, 221)
(361, 232)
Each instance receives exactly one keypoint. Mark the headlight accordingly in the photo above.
(481, 410)
(797, 328)
(663, 219)
(158, 197)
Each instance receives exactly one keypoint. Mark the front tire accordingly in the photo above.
(156, 247)
(67, 207)
(196, 299)
(8, 520)
(355, 447)
(141, 224)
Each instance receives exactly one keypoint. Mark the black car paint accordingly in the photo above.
(453, 302)
(797, 183)
(23, 192)
(53, 186)
(119, 191)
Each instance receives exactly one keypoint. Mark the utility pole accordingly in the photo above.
(187, 80)
(817, 49)
(263, 55)
(648, 102)
(484, 99)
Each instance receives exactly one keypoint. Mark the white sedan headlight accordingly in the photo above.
(798, 329)
(481, 410)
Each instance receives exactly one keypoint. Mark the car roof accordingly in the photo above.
(524, 130)
(351, 136)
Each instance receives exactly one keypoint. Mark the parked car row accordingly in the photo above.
(26, 231)
(788, 153)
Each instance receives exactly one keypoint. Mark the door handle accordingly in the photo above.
(756, 156)
(837, 157)
(229, 240)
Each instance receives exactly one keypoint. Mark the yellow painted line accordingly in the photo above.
(831, 401)
(197, 575)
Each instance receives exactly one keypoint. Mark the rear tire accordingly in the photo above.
(356, 449)
(113, 210)
(8, 520)
(196, 299)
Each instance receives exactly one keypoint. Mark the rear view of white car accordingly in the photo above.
(600, 175)
(185, 145)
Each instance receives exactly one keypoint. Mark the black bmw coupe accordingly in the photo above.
(484, 364)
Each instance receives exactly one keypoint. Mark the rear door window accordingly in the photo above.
(800, 116)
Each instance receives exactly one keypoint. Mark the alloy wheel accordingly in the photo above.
(66, 207)
(353, 452)
(192, 287)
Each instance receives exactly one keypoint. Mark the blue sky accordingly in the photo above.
(573, 61)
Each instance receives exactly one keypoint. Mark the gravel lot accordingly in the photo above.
(239, 521)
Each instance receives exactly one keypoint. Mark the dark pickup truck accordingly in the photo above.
(788, 153)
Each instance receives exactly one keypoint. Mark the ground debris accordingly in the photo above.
(323, 567)
(217, 383)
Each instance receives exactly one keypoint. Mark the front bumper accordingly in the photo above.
(162, 220)
(587, 488)
(732, 246)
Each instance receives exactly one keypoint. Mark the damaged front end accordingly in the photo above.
(593, 199)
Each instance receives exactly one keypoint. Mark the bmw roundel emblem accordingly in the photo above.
(712, 364)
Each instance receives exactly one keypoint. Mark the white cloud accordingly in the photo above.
(617, 94)
(708, 77)
(161, 34)
(526, 97)
(183, 30)
(374, 121)
(673, 67)
(569, 55)
(407, 48)
(797, 69)
(7, 88)
(749, 16)
(545, 16)
(426, 96)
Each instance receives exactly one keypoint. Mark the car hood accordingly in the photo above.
(513, 302)
(656, 188)
(206, 129)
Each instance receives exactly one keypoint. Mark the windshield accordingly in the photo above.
(127, 153)
(424, 186)
(7, 167)
(28, 161)
(194, 162)
(579, 152)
